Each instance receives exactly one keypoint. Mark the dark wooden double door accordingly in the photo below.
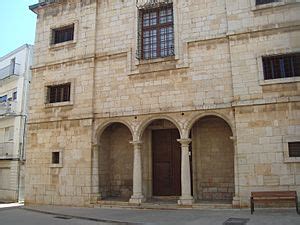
(166, 156)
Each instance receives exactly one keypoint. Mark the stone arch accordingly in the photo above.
(188, 126)
(144, 124)
(160, 155)
(115, 160)
(106, 124)
(213, 157)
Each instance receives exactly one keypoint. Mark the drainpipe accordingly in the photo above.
(21, 157)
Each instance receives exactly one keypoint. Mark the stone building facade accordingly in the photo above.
(198, 120)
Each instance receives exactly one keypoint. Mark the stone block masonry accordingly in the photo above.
(234, 125)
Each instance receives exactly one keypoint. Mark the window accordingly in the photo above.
(59, 93)
(14, 97)
(156, 37)
(3, 98)
(294, 149)
(55, 157)
(9, 134)
(63, 34)
(261, 2)
(281, 66)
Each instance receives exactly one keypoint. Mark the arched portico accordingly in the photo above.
(161, 158)
(115, 160)
(212, 158)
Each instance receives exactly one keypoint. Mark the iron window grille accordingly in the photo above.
(63, 34)
(294, 149)
(59, 93)
(156, 32)
(281, 66)
(262, 2)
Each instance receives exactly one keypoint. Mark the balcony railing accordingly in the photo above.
(12, 69)
(261, 2)
(151, 3)
(8, 108)
(6, 150)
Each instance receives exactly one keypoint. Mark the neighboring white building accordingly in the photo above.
(15, 77)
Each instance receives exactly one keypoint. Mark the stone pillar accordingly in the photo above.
(186, 196)
(236, 201)
(95, 192)
(137, 197)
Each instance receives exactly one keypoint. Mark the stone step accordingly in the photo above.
(161, 205)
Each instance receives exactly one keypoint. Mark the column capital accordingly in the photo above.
(184, 141)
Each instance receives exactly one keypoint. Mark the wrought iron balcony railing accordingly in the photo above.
(6, 150)
(261, 2)
(8, 108)
(151, 3)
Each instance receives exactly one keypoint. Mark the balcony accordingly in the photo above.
(12, 69)
(8, 108)
(151, 3)
(6, 150)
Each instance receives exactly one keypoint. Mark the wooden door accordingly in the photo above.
(166, 162)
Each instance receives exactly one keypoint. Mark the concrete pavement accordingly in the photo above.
(174, 217)
(13, 214)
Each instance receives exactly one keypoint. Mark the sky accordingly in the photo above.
(17, 24)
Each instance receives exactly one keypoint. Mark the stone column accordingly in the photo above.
(186, 196)
(236, 201)
(95, 185)
(137, 197)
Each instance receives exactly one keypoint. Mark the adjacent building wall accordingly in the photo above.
(13, 117)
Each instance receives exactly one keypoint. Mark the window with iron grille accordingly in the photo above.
(59, 93)
(281, 66)
(156, 32)
(261, 2)
(294, 149)
(63, 34)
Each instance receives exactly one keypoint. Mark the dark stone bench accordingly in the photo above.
(271, 196)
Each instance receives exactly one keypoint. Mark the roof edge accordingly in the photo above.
(15, 51)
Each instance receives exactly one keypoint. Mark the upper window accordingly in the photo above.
(261, 2)
(59, 93)
(281, 66)
(157, 33)
(14, 96)
(63, 34)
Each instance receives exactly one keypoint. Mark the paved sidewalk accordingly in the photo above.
(10, 205)
(174, 217)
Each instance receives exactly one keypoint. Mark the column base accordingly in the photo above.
(186, 200)
(236, 203)
(137, 199)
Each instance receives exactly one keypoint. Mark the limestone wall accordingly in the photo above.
(262, 136)
(216, 70)
(67, 183)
